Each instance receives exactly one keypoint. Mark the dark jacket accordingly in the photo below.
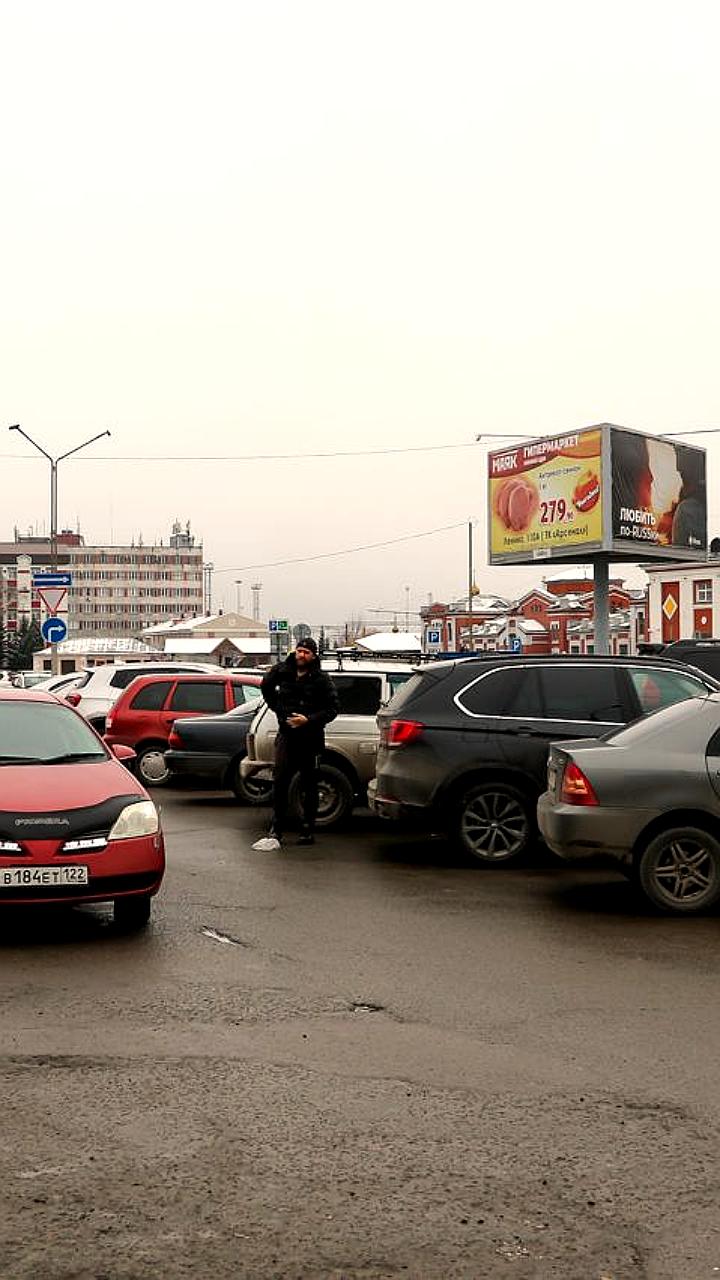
(312, 695)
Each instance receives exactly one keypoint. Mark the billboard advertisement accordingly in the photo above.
(602, 489)
(659, 496)
(546, 498)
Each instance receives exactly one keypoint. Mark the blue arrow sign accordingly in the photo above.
(52, 580)
(53, 630)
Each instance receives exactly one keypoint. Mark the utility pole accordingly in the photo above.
(256, 589)
(238, 601)
(208, 572)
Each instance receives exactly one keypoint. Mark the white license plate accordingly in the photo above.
(41, 877)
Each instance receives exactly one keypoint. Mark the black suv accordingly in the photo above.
(465, 744)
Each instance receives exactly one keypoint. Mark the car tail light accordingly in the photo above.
(576, 788)
(72, 698)
(400, 733)
(174, 741)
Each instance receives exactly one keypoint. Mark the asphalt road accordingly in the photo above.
(364, 1059)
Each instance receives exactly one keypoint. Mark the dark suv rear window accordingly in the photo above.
(582, 693)
(152, 696)
(509, 691)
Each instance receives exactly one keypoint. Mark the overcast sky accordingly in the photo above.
(280, 227)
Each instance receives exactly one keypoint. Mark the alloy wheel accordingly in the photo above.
(494, 824)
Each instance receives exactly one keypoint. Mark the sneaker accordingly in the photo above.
(268, 844)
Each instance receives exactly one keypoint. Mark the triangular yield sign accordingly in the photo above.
(52, 597)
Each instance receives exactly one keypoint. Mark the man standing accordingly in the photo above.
(304, 701)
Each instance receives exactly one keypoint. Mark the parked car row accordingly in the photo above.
(612, 755)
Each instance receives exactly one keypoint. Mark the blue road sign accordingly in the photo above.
(515, 644)
(53, 630)
(433, 637)
(52, 580)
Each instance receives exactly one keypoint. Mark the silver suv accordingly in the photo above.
(351, 740)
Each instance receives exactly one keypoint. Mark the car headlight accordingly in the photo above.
(140, 819)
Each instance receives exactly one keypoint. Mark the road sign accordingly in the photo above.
(515, 644)
(52, 597)
(53, 630)
(277, 624)
(433, 637)
(52, 580)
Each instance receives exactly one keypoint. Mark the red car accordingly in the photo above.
(75, 826)
(146, 711)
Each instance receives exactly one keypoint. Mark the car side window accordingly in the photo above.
(198, 697)
(243, 693)
(582, 693)
(396, 680)
(152, 696)
(121, 679)
(658, 688)
(357, 695)
(511, 691)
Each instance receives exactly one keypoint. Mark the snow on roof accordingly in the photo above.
(391, 642)
(208, 644)
(236, 620)
(530, 625)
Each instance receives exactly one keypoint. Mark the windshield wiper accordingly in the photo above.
(16, 760)
(71, 757)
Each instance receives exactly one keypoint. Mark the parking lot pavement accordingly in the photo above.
(363, 1059)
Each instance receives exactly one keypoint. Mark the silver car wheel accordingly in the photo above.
(494, 823)
(680, 870)
(152, 767)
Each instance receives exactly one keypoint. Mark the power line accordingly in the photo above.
(262, 457)
(347, 551)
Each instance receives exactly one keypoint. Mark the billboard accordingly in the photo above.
(659, 494)
(602, 489)
(545, 497)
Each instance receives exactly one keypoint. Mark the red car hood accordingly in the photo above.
(40, 788)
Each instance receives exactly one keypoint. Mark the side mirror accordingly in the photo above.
(124, 754)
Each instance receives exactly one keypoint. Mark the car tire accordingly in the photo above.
(494, 824)
(130, 915)
(679, 870)
(250, 790)
(151, 767)
(335, 797)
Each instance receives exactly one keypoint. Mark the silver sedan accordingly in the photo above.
(649, 796)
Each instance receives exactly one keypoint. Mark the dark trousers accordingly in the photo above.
(291, 757)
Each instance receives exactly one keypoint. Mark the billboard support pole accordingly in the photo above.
(601, 593)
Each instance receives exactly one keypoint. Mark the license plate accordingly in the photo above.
(41, 877)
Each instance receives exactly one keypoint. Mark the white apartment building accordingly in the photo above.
(116, 590)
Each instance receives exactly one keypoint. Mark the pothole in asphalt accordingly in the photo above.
(216, 936)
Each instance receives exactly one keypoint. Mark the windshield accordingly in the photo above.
(45, 733)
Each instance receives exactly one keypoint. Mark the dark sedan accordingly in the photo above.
(212, 747)
(649, 796)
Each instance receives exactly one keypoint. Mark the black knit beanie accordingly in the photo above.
(308, 643)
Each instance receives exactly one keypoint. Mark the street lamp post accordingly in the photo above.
(53, 501)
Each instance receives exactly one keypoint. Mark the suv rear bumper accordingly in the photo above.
(388, 807)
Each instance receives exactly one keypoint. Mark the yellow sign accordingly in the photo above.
(546, 497)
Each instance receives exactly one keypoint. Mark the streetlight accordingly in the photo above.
(238, 599)
(53, 479)
(53, 499)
